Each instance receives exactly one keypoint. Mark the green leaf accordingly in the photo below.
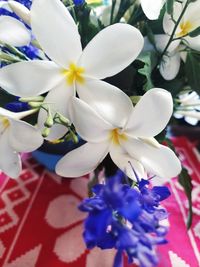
(170, 6)
(186, 182)
(192, 70)
(149, 59)
(195, 32)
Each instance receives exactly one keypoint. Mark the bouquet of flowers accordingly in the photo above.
(111, 74)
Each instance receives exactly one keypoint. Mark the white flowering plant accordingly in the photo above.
(111, 73)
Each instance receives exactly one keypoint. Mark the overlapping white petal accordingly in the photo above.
(20, 10)
(56, 31)
(23, 137)
(30, 78)
(170, 63)
(85, 118)
(127, 144)
(82, 160)
(10, 162)
(160, 161)
(151, 114)
(16, 136)
(152, 8)
(189, 22)
(127, 163)
(98, 95)
(189, 107)
(111, 50)
(13, 32)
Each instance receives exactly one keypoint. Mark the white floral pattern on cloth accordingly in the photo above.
(48, 229)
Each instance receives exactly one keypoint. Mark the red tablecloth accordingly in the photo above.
(40, 225)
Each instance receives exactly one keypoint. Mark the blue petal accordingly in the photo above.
(162, 191)
(127, 239)
(96, 226)
(92, 204)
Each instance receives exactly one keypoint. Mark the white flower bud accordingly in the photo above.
(21, 11)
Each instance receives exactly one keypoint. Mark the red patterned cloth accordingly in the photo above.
(40, 225)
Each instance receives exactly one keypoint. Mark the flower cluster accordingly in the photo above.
(126, 218)
(104, 73)
(103, 115)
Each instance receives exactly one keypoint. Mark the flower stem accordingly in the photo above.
(112, 11)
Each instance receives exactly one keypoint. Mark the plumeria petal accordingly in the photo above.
(126, 163)
(56, 31)
(152, 9)
(192, 14)
(161, 41)
(4, 4)
(168, 24)
(170, 66)
(111, 50)
(160, 161)
(151, 114)
(20, 10)
(58, 101)
(82, 160)
(7, 113)
(24, 137)
(89, 125)
(98, 95)
(10, 162)
(193, 43)
(30, 78)
(13, 32)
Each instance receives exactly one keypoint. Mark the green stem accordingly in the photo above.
(73, 10)
(112, 11)
(8, 58)
(16, 52)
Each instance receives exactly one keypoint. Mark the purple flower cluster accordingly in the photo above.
(127, 219)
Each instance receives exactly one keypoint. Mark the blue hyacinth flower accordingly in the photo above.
(127, 219)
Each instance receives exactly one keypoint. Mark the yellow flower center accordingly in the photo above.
(116, 136)
(74, 74)
(185, 28)
(5, 122)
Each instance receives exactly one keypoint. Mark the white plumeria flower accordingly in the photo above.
(16, 136)
(128, 138)
(189, 22)
(152, 8)
(71, 69)
(170, 62)
(13, 31)
(189, 108)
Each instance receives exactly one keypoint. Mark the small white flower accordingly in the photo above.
(128, 137)
(189, 107)
(16, 136)
(108, 53)
(189, 22)
(152, 8)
